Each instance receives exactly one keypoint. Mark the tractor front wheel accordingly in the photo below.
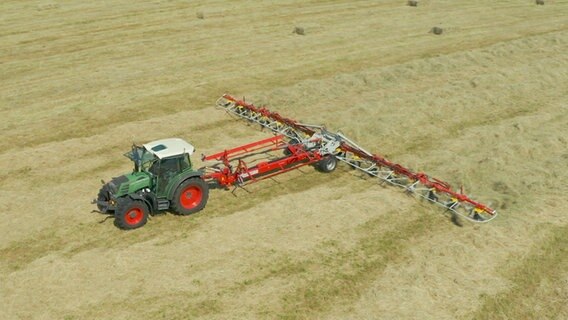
(131, 214)
(102, 199)
(190, 196)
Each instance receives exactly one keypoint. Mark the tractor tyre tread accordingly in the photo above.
(125, 206)
(197, 183)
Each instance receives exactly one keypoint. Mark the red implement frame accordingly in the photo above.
(244, 173)
(290, 127)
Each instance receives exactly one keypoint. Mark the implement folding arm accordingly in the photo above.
(344, 149)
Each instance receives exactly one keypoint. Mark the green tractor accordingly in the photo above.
(163, 179)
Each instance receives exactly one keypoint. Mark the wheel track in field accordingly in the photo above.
(206, 129)
(213, 235)
(69, 241)
(121, 106)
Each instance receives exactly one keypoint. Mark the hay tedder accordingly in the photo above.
(164, 179)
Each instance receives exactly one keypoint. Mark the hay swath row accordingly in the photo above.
(304, 139)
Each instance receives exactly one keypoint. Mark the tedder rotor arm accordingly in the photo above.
(345, 150)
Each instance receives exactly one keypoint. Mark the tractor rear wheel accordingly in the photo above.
(327, 164)
(131, 214)
(190, 196)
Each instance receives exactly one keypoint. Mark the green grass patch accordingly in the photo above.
(20, 253)
(333, 273)
(342, 276)
(539, 287)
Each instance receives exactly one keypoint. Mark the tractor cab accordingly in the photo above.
(163, 160)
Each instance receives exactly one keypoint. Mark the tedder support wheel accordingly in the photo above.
(327, 164)
(131, 214)
(190, 196)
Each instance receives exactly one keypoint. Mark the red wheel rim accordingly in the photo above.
(134, 216)
(191, 197)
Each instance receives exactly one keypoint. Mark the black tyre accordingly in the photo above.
(131, 214)
(103, 196)
(190, 196)
(327, 164)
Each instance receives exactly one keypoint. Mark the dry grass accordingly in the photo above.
(484, 105)
(539, 283)
(339, 276)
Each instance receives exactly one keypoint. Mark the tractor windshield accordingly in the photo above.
(141, 157)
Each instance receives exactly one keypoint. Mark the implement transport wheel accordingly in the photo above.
(131, 214)
(191, 196)
(327, 164)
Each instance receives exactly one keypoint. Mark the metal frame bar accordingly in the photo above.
(242, 174)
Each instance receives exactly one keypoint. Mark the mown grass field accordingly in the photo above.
(483, 105)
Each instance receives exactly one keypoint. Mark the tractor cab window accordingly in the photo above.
(164, 167)
(165, 170)
(170, 165)
(185, 162)
(142, 159)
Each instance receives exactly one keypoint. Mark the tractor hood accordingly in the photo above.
(129, 183)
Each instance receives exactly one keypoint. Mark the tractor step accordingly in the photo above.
(163, 204)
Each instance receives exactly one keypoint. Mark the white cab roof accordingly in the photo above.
(169, 147)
